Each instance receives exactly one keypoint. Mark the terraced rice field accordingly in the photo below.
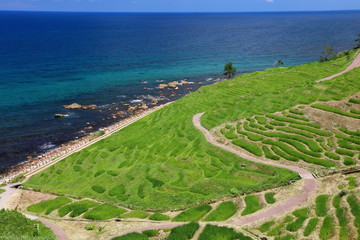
(293, 135)
(331, 216)
(163, 162)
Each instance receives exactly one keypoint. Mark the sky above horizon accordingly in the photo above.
(179, 5)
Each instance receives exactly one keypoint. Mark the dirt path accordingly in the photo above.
(354, 64)
(9, 191)
(309, 183)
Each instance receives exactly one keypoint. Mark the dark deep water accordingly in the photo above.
(51, 59)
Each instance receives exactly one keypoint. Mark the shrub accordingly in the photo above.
(104, 212)
(260, 120)
(349, 161)
(266, 226)
(76, 208)
(252, 204)
(117, 190)
(276, 123)
(269, 154)
(132, 236)
(321, 205)
(276, 230)
(269, 197)
(344, 144)
(354, 111)
(352, 182)
(283, 154)
(224, 211)
(252, 137)
(310, 227)
(98, 189)
(184, 232)
(335, 110)
(212, 232)
(254, 149)
(343, 222)
(326, 228)
(90, 227)
(98, 173)
(351, 133)
(159, 217)
(48, 206)
(300, 147)
(192, 214)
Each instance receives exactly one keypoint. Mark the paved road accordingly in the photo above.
(354, 64)
(308, 188)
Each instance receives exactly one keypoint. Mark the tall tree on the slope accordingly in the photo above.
(229, 70)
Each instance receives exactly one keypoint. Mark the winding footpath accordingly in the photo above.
(309, 183)
(354, 64)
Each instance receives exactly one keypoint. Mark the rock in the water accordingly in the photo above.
(92, 107)
(73, 106)
(58, 115)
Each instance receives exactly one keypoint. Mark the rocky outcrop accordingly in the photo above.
(58, 115)
(73, 106)
(78, 106)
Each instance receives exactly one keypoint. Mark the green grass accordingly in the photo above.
(298, 112)
(77, 208)
(296, 225)
(345, 152)
(266, 226)
(150, 233)
(349, 161)
(135, 214)
(48, 206)
(326, 228)
(343, 222)
(355, 211)
(354, 111)
(335, 110)
(356, 101)
(302, 212)
(2, 190)
(269, 154)
(104, 212)
(224, 211)
(321, 208)
(332, 156)
(132, 236)
(159, 217)
(165, 145)
(352, 182)
(14, 225)
(252, 204)
(310, 227)
(183, 232)
(212, 232)
(192, 214)
(269, 197)
(252, 148)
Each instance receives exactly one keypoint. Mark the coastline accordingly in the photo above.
(135, 112)
(31, 167)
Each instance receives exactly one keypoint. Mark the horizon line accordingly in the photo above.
(195, 12)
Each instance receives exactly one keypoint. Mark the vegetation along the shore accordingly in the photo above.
(163, 162)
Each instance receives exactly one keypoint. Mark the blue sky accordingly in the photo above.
(179, 5)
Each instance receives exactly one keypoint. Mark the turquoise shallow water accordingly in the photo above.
(51, 59)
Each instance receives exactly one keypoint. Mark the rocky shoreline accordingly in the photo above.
(119, 115)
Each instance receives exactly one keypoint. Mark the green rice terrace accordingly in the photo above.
(163, 162)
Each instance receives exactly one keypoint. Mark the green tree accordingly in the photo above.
(278, 63)
(357, 42)
(229, 69)
(329, 53)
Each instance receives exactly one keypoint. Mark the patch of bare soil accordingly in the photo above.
(28, 198)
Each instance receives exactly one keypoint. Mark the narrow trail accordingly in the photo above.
(309, 183)
(354, 64)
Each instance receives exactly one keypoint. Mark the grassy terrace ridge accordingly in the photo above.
(163, 162)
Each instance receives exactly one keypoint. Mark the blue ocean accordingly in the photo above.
(49, 59)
